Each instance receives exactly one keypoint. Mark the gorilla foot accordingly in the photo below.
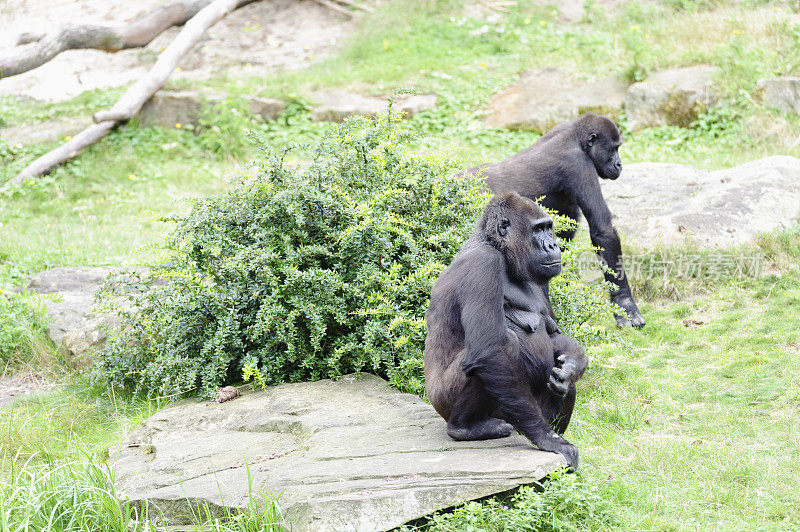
(631, 316)
(486, 429)
(635, 320)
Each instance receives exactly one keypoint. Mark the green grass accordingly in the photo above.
(679, 428)
(703, 422)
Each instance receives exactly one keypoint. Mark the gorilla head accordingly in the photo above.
(523, 232)
(600, 140)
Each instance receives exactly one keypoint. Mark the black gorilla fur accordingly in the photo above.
(563, 167)
(494, 355)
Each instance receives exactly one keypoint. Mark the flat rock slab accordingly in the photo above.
(544, 97)
(352, 454)
(661, 203)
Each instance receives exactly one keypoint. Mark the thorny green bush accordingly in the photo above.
(315, 272)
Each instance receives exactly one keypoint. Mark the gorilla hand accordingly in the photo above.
(556, 444)
(633, 317)
(562, 376)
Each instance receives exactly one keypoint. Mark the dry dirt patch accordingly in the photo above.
(257, 39)
(23, 383)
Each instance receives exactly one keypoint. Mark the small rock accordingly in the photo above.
(167, 109)
(664, 203)
(544, 97)
(351, 454)
(671, 97)
(44, 132)
(335, 106)
(266, 108)
(227, 393)
(412, 104)
(781, 93)
(693, 323)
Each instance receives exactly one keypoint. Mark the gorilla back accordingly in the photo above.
(494, 356)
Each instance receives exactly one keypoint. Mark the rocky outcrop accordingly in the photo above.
(335, 106)
(672, 203)
(544, 97)
(781, 93)
(352, 454)
(671, 97)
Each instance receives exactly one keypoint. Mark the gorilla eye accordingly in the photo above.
(543, 225)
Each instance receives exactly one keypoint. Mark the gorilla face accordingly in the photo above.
(604, 155)
(545, 261)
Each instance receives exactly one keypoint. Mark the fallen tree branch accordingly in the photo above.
(134, 34)
(356, 5)
(335, 7)
(136, 95)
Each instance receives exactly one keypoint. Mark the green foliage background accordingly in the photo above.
(314, 272)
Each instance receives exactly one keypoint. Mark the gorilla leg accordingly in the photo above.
(510, 389)
(470, 419)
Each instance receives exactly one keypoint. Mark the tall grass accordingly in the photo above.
(79, 496)
(62, 497)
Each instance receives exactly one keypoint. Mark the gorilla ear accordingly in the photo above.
(502, 226)
(591, 139)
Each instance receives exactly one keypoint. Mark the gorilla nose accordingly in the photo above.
(617, 166)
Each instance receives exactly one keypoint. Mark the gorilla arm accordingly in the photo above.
(589, 198)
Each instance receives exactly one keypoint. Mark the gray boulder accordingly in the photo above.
(335, 106)
(544, 97)
(655, 203)
(781, 93)
(72, 322)
(352, 454)
(671, 97)
(168, 108)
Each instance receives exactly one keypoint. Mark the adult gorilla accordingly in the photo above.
(494, 355)
(563, 167)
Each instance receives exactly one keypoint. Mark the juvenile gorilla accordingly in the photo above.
(494, 355)
(563, 167)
